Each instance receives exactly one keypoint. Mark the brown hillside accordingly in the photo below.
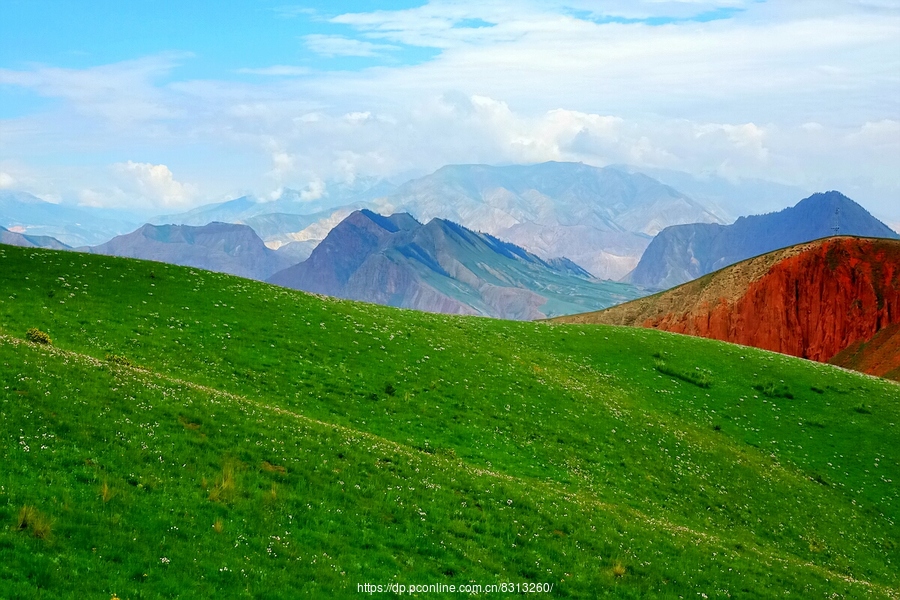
(812, 300)
(879, 355)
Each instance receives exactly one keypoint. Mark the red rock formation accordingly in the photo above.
(811, 301)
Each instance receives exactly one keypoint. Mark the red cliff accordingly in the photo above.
(813, 300)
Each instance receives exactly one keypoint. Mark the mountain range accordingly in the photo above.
(728, 198)
(444, 267)
(295, 217)
(600, 218)
(71, 225)
(292, 202)
(14, 238)
(222, 247)
(681, 253)
(825, 300)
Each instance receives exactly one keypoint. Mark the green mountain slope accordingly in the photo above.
(194, 434)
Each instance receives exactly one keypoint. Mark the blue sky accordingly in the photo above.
(220, 37)
(164, 105)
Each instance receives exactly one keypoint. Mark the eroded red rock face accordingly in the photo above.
(812, 305)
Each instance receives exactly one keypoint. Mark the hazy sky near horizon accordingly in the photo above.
(164, 105)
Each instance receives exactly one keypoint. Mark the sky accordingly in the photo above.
(161, 106)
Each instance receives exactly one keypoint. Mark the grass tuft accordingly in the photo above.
(31, 519)
(106, 492)
(225, 487)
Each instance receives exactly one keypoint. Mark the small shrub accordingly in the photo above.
(37, 336)
(218, 526)
(119, 360)
(816, 545)
(702, 378)
(820, 480)
(774, 390)
(619, 570)
(425, 447)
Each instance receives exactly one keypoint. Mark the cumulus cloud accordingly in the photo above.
(6, 180)
(800, 92)
(314, 190)
(154, 184)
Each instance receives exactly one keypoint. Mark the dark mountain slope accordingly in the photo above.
(223, 247)
(13, 238)
(684, 252)
(444, 267)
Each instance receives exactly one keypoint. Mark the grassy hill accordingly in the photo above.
(195, 434)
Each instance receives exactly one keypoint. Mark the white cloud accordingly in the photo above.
(282, 164)
(336, 45)
(121, 92)
(802, 92)
(95, 199)
(6, 180)
(154, 184)
(314, 190)
(358, 117)
(277, 71)
(747, 138)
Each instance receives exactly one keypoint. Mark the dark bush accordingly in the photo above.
(37, 336)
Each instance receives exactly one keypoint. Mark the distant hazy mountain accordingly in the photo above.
(291, 217)
(13, 238)
(223, 247)
(602, 219)
(684, 252)
(729, 199)
(290, 202)
(443, 267)
(295, 252)
(72, 225)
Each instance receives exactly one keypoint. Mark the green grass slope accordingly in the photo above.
(190, 434)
